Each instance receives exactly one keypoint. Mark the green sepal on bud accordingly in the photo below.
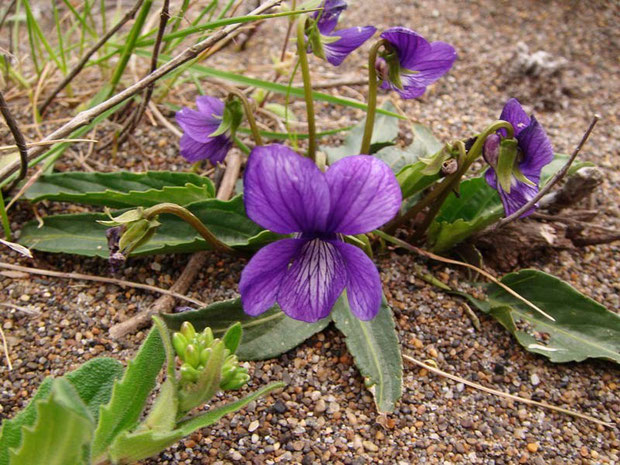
(137, 229)
(315, 40)
(506, 162)
(231, 118)
(435, 162)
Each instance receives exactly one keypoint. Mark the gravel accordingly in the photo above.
(325, 415)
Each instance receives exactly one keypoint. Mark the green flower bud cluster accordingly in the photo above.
(195, 350)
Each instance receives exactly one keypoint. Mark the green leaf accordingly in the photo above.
(582, 329)
(232, 337)
(424, 145)
(477, 207)
(81, 234)
(384, 133)
(11, 430)
(94, 381)
(375, 348)
(122, 189)
(62, 432)
(265, 336)
(132, 447)
(130, 393)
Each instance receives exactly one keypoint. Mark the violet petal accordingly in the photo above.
(214, 149)
(261, 277)
(197, 125)
(350, 39)
(314, 282)
(328, 17)
(410, 46)
(285, 192)
(365, 194)
(363, 282)
(536, 148)
(514, 113)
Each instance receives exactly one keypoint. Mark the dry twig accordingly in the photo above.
(77, 68)
(186, 55)
(100, 279)
(20, 141)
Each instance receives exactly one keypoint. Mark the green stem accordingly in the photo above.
(6, 225)
(442, 190)
(372, 96)
(305, 72)
(189, 218)
(249, 114)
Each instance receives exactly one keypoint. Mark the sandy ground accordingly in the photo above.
(325, 415)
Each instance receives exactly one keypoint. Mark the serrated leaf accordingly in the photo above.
(265, 336)
(582, 328)
(94, 380)
(375, 348)
(131, 447)
(11, 429)
(385, 133)
(62, 431)
(81, 234)
(122, 189)
(130, 393)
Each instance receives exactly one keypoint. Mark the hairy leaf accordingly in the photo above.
(130, 393)
(131, 447)
(375, 348)
(264, 336)
(62, 432)
(122, 189)
(81, 234)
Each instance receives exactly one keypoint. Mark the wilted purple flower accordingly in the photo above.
(534, 152)
(413, 63)
(305, 275)
(198, 125)
(339, 44)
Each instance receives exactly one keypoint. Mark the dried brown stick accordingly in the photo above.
(6, 12)
(552, 182)
(496, 392)
(100, 279)
(186, 55)
(78, 67)
(136, 116)
(20, 141)
(165, 303)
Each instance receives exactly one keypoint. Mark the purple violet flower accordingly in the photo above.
(535, 152)
(414, 63)
(286, 193)
(196, 143)
(339, 44)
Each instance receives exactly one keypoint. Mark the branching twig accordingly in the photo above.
(496, 392)
(20, 141)
(87, 277)
(552, 182)
(186, 55)
(77, 68)
(136, 116)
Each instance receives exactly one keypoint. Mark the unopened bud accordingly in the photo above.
(204, 356)
(191, 355)
(382, 68)
(237, 381)
(490, 150)
(180, 343)
(189, 373)
(187, 329)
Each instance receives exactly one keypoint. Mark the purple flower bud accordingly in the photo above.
(383, 70)
(490, 150)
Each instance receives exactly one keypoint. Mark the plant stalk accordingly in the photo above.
(372, 96)
(305, 72)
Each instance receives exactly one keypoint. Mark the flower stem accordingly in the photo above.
(191, 219)
(249, 114)
(441, 191)
(6, 225)
(305, 72)
(372, 96)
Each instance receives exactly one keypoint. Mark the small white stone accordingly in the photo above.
(253, 426)
(535, 380)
